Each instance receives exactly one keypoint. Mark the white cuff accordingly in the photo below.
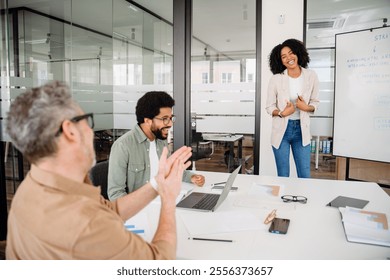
(154, 184)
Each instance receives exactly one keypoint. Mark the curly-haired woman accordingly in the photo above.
(292, 96)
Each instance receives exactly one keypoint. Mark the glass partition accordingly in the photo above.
(109, 52)
(223, 85)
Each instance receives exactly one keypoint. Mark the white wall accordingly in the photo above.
(274, 33)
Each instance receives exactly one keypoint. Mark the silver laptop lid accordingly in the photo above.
(228, 186)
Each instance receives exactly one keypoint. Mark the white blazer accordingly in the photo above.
(277, 96)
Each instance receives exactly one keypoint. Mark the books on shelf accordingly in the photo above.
(324, 146)
(365, 226)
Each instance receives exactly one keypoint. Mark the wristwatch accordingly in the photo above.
(280, 114)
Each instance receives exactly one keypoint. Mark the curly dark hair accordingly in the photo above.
(275, 61)
(148, 106)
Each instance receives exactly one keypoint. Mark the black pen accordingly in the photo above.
(210, 239)
(215, 184)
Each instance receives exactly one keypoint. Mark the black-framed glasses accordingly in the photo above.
(294, 198)
(88, 117)
(166, 120)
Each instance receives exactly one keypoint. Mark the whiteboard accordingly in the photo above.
(362, 95)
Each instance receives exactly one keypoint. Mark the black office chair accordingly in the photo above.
(3, 244)
(99, 176)
(200, 148)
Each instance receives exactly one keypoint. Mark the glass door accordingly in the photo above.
(223, 85)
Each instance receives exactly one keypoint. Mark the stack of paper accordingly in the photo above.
(365, 227)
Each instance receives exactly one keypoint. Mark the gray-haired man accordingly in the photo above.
(56, 213)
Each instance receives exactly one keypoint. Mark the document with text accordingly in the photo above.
(365, 226)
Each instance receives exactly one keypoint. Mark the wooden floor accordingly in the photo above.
(216, 163)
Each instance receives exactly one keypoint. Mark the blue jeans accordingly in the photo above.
(293, 137)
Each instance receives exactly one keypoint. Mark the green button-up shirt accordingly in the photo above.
(129, 163)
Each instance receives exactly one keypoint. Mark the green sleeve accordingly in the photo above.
(117, 171)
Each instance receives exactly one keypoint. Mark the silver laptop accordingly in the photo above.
(208, 201)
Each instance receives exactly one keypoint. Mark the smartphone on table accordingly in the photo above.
(279, 226)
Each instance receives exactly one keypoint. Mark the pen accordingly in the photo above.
(210, 239)
(221, 183)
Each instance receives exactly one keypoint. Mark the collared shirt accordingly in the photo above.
(129, 163)
(53, 217)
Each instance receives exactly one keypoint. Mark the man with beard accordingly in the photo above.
(56, 213)
(134, 156)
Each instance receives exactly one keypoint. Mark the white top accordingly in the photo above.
(154, 160)
(295, 90)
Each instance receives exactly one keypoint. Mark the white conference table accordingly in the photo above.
(315, 231)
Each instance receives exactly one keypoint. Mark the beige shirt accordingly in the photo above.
(53, 217)
(277, 96)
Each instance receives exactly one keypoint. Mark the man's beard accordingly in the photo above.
(158, 133)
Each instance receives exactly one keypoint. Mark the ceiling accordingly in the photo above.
(236, 20)
(230, 29)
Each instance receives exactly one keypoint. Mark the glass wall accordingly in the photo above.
(109, 52)
(223, 84)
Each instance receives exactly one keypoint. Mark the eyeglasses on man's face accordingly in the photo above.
(87, 117)
(294, 198)
(166, 120)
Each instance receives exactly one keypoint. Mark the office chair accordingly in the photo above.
(200, 148)
(103, 140)
(3, 244)
(99, 176)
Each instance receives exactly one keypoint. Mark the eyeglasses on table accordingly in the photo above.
(294, 198)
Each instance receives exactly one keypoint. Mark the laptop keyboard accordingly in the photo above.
(207, 202)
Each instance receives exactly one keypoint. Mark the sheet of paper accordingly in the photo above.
(269, 190)
(367, 219)
(265, 204)
(186, 188)
(139, 224)
(365, 226)
(199, 223)
(265, 196)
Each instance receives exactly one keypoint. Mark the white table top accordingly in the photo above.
(315, 231)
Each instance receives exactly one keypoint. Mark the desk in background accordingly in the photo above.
(230, 139)
(315, 232)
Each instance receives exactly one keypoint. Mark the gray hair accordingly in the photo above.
(36, 116)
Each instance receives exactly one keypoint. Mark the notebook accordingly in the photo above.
(365, 226)
(343, 201)
(208, 201)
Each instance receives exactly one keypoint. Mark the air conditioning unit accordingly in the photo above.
(326, 24)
